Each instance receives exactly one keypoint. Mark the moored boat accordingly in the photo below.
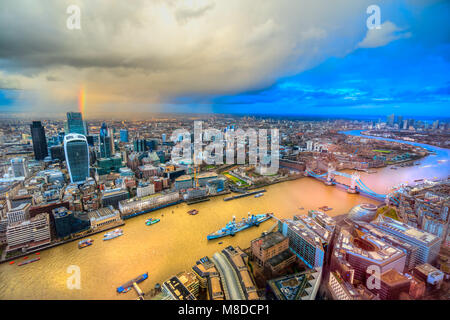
(29, 261)
(233, 227)
(113, 234)
(151, 221)
(127, 286)
(85, 243)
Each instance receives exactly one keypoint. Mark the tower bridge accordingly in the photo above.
(356, 185)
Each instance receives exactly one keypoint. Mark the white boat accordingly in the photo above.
(113, 234)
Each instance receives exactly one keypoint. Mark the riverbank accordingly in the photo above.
(59, 243)
(401, 138)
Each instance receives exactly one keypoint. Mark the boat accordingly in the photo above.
(192, 212)
(394, 168)
(29, 261)
(234, 227)
(301, 208)
(113, 234)
(418, 180)
(11, 262)
(151, 221)
(127, 286)
(325, 208)
(85, 243)
(220, 242)
(259, 195)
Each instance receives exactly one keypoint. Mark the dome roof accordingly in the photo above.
(363, 212)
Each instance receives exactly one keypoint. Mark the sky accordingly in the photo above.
(237, 56)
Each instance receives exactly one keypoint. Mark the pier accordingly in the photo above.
(138, 291)
(244, 195)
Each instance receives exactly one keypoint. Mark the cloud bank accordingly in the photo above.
(144, 55)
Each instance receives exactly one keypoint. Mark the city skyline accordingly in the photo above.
(240, 152)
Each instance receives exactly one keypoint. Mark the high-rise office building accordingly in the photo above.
(390, 120)
(77, 157)
(428, 244)
(123, 135)
(140, 145)
(39, 140)
(435, 125)
(405, 124)
(75, 123)
(307, 239)
(106, 142)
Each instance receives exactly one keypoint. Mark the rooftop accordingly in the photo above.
(407, 230)
(270, 239)
(393, 277)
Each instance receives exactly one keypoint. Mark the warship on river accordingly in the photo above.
(234, 227)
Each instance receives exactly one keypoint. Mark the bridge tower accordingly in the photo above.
(353, 188)
(330, 176)
(387, 199)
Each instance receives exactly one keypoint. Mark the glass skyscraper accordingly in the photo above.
(77, 157)
(75, 123)
(123, 135)
(39, 140)
(106, 142)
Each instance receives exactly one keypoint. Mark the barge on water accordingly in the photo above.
(197, 200)
(234, 227)
(151, 221)
(126, 286)
(244, 195)
(113, 234)
(85, 243)
(29, 261)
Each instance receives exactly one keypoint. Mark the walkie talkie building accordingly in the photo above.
(77, 157)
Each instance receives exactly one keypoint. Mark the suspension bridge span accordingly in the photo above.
(356, 185)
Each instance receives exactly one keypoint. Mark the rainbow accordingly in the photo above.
(81, 100)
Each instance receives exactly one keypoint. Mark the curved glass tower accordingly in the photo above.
(77, 157)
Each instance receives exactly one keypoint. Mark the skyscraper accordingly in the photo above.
(140, 145)
(428, 244)
(106, 142)
(75, 123)
(77, 157)
(39, 141)
(390, 120)
(123, 135)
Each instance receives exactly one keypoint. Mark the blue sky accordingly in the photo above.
(295, 58)
(409, 76)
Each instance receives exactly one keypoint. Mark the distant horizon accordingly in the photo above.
(307, 117)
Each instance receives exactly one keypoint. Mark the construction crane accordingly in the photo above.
(195, 168)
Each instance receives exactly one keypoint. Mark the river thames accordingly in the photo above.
(174, 244)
